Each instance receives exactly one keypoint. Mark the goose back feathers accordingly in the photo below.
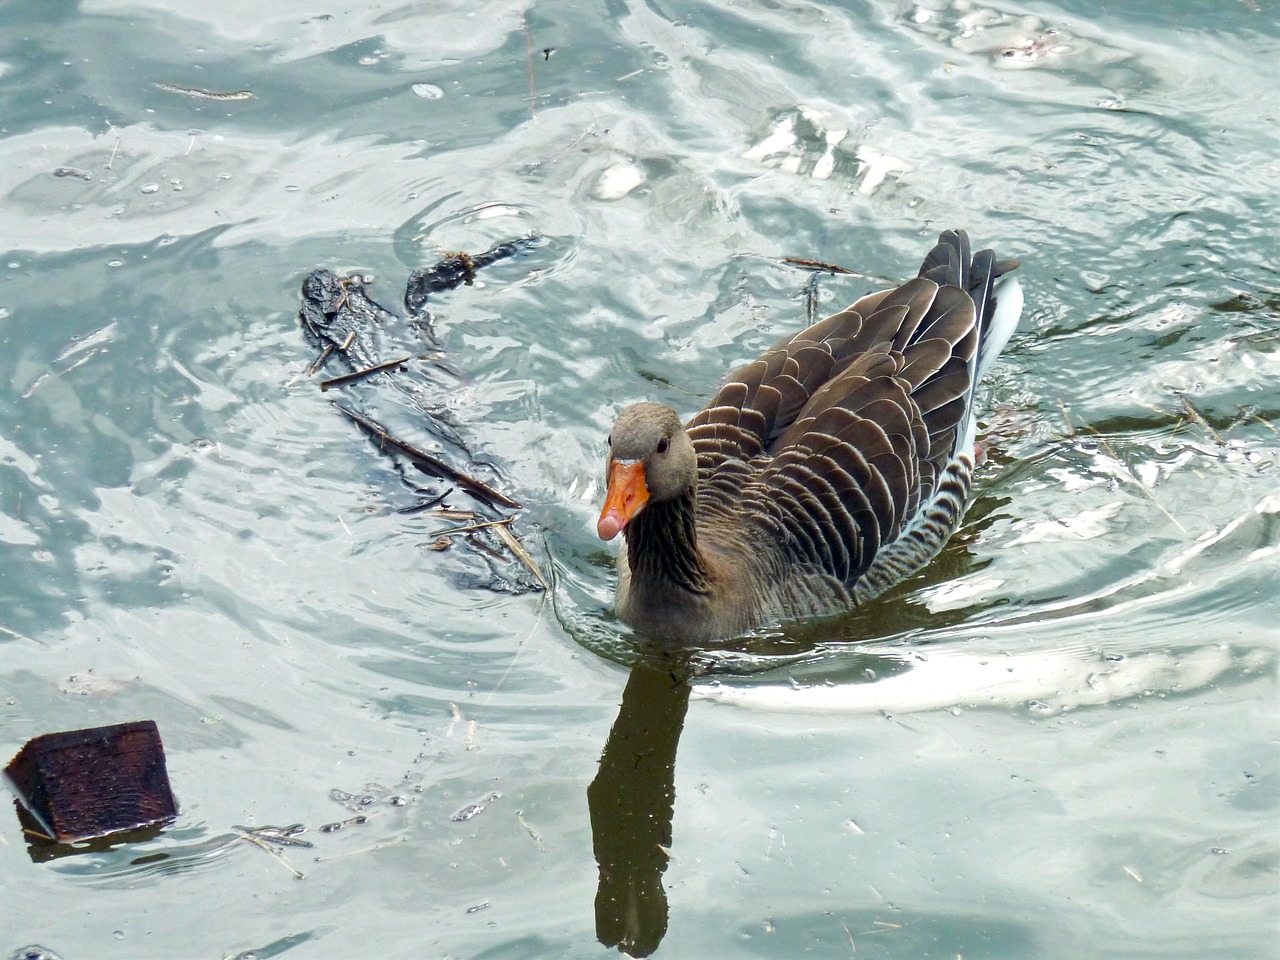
(820, 474)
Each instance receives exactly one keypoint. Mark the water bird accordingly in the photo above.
(821, 474)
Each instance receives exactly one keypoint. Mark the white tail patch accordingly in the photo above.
(1004, 320)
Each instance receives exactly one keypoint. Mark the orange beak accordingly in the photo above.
(627, 494)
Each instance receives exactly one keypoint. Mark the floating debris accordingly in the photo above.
(202, 94)
(537, 837)
(816, 265)
(618, 181)
(340, 316)
(475, 809)
(268, 844)
(373, 792)
(280, 836)
(82, 784)
(356, 821)
(457, 269)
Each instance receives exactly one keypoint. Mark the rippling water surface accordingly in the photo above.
(1060, 740)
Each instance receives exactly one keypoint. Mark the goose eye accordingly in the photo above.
(662, 445)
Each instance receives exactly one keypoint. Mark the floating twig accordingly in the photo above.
(513, 543)
(21, 636)
(446, 514)
(537, 837)
(454, 531)
(321, 360)
(1199, 419)
(428, 504)
(502, 528)
(1133, 476)
(1066, 418)
(429, 464)
(263, 845)
(361, 374)
(817, 266)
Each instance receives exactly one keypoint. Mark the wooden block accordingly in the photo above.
(89, 783)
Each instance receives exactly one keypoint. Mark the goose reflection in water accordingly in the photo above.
(632, 801)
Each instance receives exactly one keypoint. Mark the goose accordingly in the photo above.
(821, 474)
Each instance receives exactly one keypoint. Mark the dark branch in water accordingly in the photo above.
(433, 466)
(361, 374)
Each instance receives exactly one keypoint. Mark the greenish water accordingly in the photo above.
(1059, 741)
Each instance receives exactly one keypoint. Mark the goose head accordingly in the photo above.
(651, 460)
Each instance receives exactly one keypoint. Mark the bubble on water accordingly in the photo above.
(149, 188)
(115, 263)
(428, 91)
